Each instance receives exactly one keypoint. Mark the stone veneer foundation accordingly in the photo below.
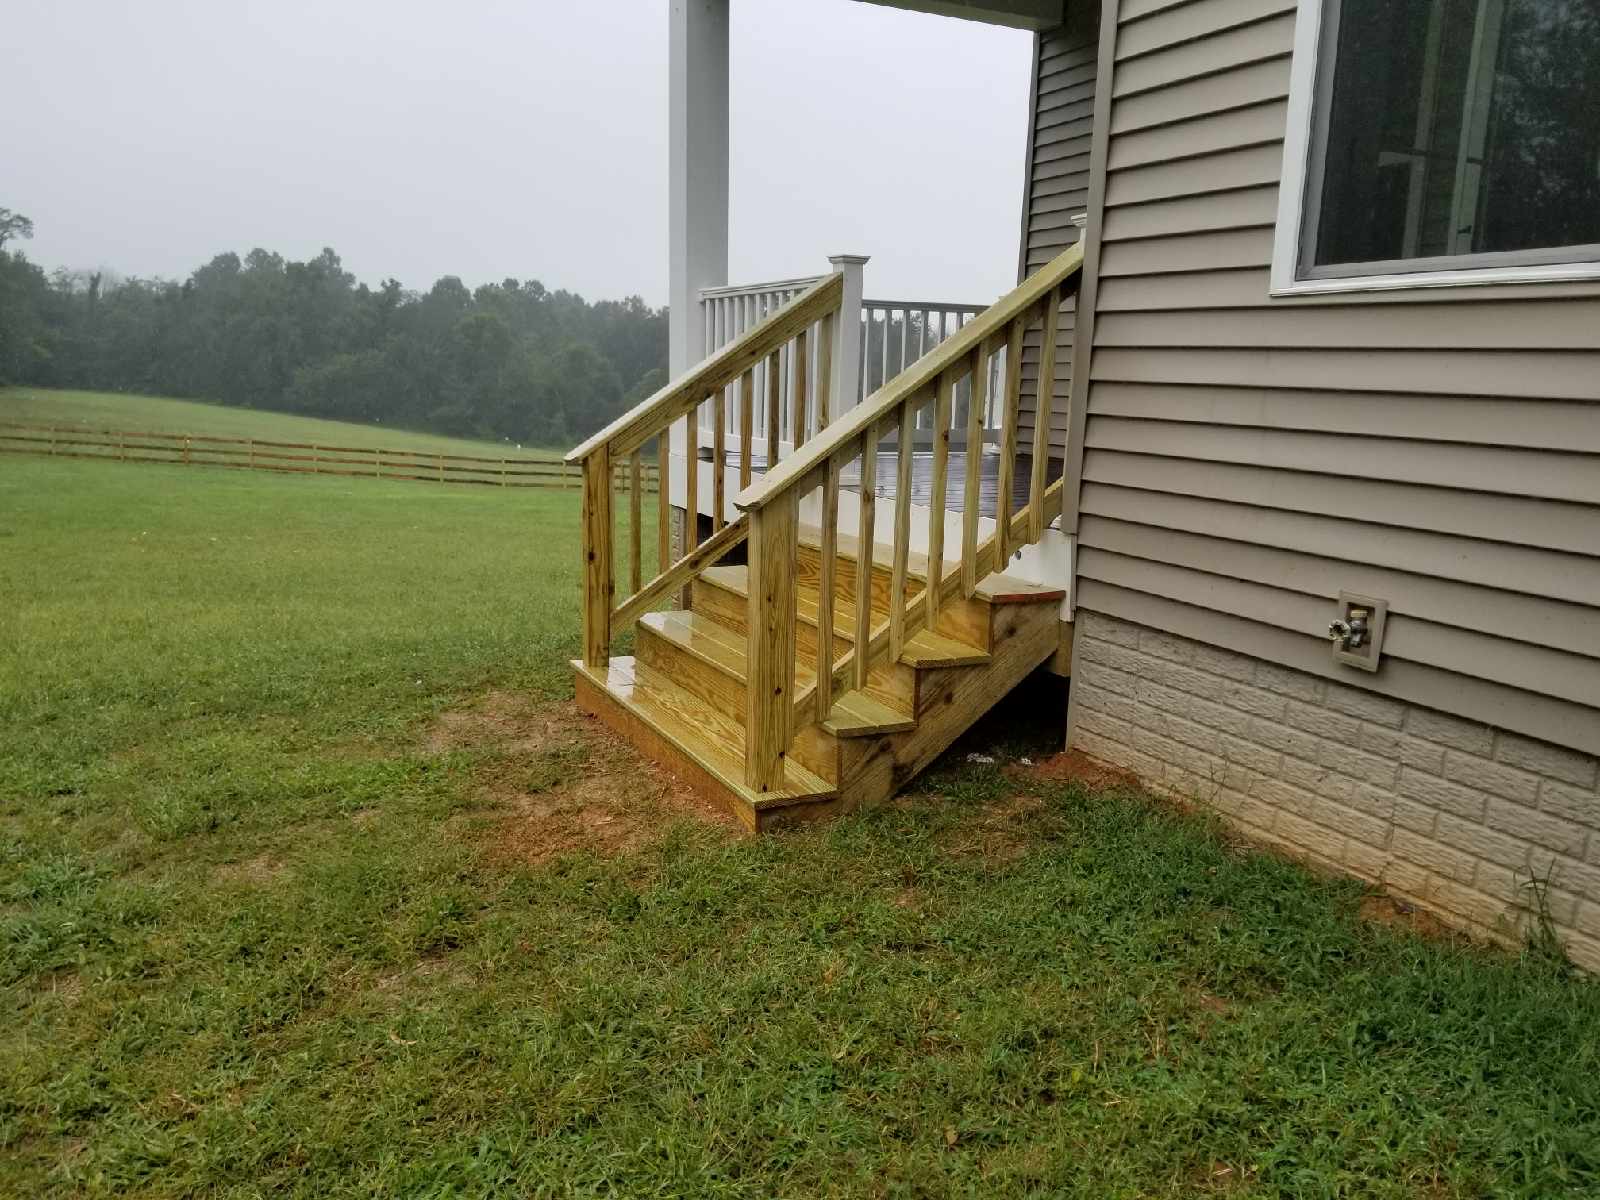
(1454, 817)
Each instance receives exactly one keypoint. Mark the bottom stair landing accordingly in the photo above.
(681, 697)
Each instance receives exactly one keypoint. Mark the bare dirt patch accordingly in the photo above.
(1397, 914)
(998, 832)
(561, 782)
(1073, 766)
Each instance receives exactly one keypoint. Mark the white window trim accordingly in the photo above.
(1297, 144)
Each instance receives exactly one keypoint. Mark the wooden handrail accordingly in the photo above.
(907, 386)
(647, 418)
(619, 448)
(773, 708)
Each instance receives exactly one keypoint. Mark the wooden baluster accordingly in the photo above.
(941, 465)
(825, 585)
(902, 528)
(691, 480)
(797, 418)
(774, 408)
(597, 566)
(1004, 505)
(747, 420)
(718, 454)
(769, 687)
(864, 544)
(1041, 424)
(828, 329)
(663, 506)
(635, 519)
(977, 397)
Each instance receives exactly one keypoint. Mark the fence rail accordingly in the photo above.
(303, 458)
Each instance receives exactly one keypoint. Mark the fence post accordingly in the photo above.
(250, 449)
(439, 462)
(122, 446)
(502, 472)
(52, 439)
(845, 387)
(597, 564)
(186, 449)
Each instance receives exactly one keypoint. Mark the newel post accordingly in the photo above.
(769, 687)
(597, 564)
(845, 387)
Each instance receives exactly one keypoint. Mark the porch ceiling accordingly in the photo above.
(1019, 14)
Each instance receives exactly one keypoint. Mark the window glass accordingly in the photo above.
(1460, 127)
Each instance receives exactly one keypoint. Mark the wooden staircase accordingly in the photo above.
(830, 669)
(682, 696)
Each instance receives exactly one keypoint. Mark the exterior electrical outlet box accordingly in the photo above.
(1357, 631)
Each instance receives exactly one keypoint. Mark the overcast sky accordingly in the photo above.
(487, 138)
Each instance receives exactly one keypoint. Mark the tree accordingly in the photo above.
(13, 225)
(509, 360)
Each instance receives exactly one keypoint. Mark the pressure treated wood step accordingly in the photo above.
(996, 588)
(926, 648)
(712, 647)
(700, 744)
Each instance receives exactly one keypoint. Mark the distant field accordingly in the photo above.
(159, 414)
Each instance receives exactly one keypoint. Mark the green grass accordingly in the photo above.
(261, 934)
(156, 414)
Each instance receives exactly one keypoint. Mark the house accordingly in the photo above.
(1316, 493)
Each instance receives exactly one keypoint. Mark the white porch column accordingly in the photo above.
(847, 359)
(697, 192)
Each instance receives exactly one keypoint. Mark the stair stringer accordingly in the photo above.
(948, 702)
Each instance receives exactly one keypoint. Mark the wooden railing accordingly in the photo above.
(774, 711)
(725, 379)
(300, 458)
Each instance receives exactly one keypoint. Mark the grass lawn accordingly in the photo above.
(156, 414)
(312, 884)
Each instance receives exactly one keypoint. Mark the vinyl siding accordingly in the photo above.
(1061, 129)
(1244, 458)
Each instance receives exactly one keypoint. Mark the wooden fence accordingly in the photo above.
(306, 458)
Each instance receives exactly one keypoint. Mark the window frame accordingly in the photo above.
(1300, 197)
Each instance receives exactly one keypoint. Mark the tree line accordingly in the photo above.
(508, 360)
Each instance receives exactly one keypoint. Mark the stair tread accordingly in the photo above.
(930, 649)
(702, 733)
(856, 714)
(847, 545)
(735, 579)
(996, 587)
(923, 649)
(712, 641)
(1008, 589)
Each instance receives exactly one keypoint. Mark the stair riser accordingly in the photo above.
(731, 609)
(690, 672)
(816, 750)
(892, 683)
(963, 619)
(809, 563)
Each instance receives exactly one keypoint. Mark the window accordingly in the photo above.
(1437, 141)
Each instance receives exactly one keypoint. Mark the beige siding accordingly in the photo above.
(1245, 459)
(1061, 129)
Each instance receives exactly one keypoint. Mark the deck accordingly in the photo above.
(955, 477)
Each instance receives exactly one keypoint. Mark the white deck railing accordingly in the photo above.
(890, 335)
(895, 333)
